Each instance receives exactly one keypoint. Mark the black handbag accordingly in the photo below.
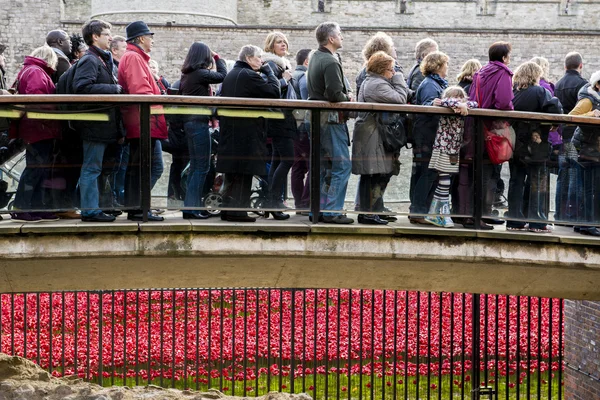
(391, 130)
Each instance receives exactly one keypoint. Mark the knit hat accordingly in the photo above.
(595, 78)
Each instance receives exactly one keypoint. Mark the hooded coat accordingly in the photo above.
(242, 145)
(286, 127)
(136, 78)
(586, 137)
(36, 78)
(492, 87)
(369, 157)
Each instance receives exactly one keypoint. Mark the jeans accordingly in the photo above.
(199, 143)
(93, 154)
(422, 184)
(336, 156)
(299, 177)
(157, 163)
(133, 195)
(281, 162)
(38, 162)
(119, 182)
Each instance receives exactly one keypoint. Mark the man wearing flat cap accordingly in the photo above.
(136, 78)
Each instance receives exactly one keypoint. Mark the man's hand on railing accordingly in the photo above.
(596, 113)
(437, 102)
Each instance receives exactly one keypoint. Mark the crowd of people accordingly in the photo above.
(98, 165)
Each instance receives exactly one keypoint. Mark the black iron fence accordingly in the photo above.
(330, 343)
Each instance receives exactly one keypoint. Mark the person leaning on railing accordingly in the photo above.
(136, 78)
(370, 159)
(586, 140)
(94, 75)
(528, 185)
(435, 68)
(281, 132)
(40, 137)
(196, 78)
(492, 89)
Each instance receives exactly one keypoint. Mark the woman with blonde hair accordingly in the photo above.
(381, 41)
(544, 80)
(531, 152)
(370, 159)
(435, 69)
(281, 132)
(40, 136)
(465, 77)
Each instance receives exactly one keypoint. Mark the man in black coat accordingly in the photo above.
(94, 75)
(60, 42)
(242, 146)
(566, 91)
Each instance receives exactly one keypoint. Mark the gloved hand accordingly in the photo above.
(266, 69)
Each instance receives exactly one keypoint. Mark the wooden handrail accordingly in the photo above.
(15, 100)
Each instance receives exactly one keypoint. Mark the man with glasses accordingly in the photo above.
(325, 81)
(136, 78)
(94, 75)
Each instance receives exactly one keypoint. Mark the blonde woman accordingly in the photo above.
(544, 80)
(281, 132)
(379, 42)
(39, 135)
(465, 77)
(531, 152)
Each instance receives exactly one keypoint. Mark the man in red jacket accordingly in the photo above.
(136, 78)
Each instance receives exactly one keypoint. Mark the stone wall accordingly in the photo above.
(441, 14)
(582, 346)
(172, 44)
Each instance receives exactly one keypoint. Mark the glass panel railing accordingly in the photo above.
(60, 161)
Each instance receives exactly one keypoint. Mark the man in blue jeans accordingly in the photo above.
(94, 75)
(325, 81)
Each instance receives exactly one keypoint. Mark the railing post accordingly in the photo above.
(315, 164)
(478, 187)
(475, 351)
(145, 159)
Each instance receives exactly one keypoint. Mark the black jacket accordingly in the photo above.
(93, 75)
(242, 145)
(532, 99)
(566, 91)
(586, 137)
(196, 82)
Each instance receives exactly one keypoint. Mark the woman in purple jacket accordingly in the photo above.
(39, 136)
(491, 89)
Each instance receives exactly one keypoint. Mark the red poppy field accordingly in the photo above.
(325, 342)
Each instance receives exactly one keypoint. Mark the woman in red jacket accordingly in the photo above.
(39, 136)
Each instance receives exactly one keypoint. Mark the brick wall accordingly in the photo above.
(582, 349)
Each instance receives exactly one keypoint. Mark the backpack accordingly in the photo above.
(65, 82)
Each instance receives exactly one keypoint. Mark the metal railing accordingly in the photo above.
(329, 343)
(201, 105)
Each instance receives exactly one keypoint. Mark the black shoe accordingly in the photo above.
(493, 221)
(100, 217)
(371, 219)
(388, 218)
(187, 215)
(242, 217)
(140, 217)
(337, 219)
(278, 215)
(116, 213)
(310, 218)
(468, 223)
(589, 231)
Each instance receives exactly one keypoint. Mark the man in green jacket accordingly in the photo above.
(325, 81)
